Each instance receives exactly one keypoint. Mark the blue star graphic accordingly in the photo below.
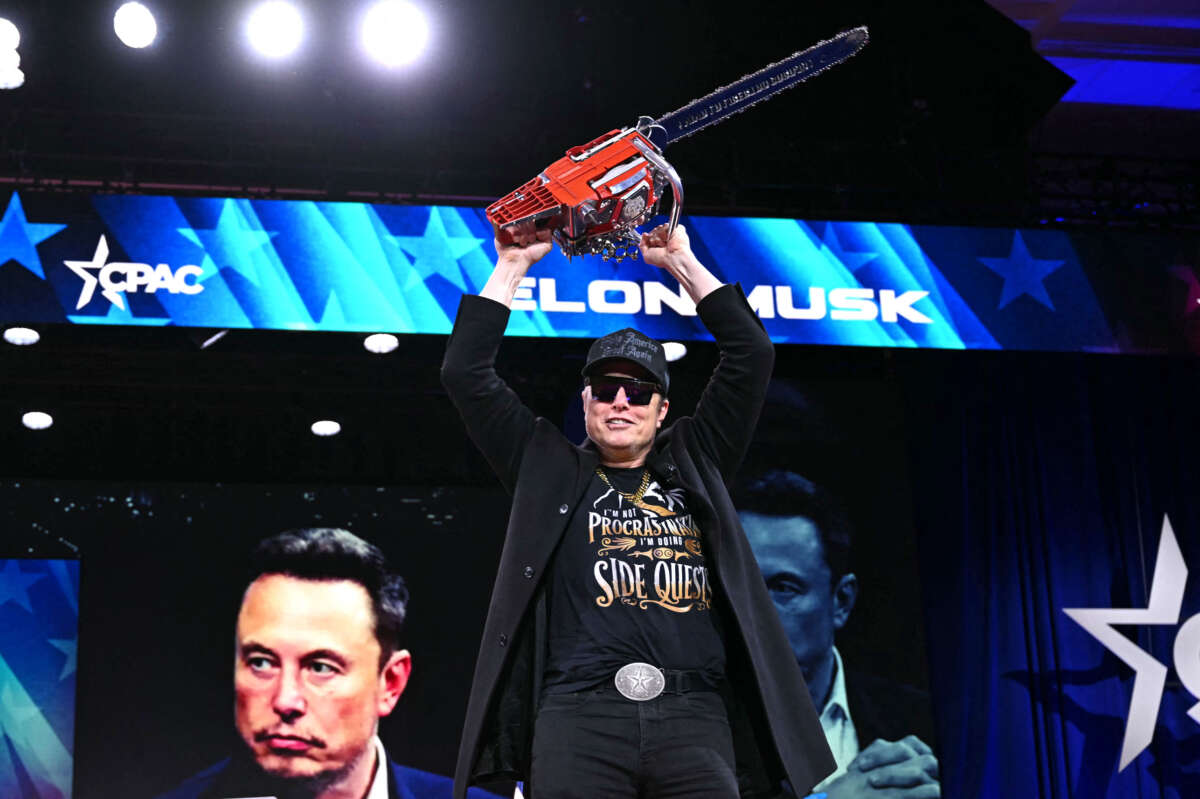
(69, 648)
(19, 238)
(436, 253)
(832, 247)
(231, 243)
(14, 585)
(1022, 273)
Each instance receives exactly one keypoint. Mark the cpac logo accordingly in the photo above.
(118, 278)
(1150, 676)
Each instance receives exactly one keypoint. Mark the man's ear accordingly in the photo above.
(392, 680)
(845, 594)
(662, 411)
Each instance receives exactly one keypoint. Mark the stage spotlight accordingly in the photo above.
(275, 28)
(11, 76)
(10, 37)
(381, 343)
(135, 26)
(37, 420)
(394, 32)
(21, 336)
(674, 350)
(326, 427)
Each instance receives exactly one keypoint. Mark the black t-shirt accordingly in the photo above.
(629, 582)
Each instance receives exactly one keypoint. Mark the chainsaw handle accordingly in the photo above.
(654, 157)
(521, 234)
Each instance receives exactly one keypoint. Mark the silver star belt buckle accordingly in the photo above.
(639, 681)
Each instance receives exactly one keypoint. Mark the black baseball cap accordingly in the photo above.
(629, 345)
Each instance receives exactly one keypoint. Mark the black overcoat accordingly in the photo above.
(776, 730)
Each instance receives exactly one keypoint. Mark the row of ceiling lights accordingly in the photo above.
(391, 32)
(40, 420)
(377, 343)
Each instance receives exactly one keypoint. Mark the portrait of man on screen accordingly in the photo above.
(880, 730)
(317, 663)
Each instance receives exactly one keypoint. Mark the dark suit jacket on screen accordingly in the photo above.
(886, 709)
(227, 779)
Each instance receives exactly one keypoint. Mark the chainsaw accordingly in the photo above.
(595, 197)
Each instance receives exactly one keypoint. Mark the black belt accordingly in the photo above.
(680, 681)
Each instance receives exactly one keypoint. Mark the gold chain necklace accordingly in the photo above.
(634, 497)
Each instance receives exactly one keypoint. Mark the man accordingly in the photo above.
(878, 730)
(317, 663)
(614, 661)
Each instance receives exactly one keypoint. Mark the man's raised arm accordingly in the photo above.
(495, 418)
(727, 412)
(676, 257)
(513, 261)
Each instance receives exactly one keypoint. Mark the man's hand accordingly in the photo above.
(676, 257)
(904, 769)
(517, 249)
(522, 247)
(658, 251)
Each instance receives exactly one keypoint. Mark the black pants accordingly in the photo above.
(596, 744)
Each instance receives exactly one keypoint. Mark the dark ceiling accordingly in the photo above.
(932, 118)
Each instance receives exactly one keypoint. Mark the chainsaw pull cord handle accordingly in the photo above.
(663, 166)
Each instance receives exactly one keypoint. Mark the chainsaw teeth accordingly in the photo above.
(750, 90)
(615, 246)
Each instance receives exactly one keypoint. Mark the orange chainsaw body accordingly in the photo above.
(593, 197)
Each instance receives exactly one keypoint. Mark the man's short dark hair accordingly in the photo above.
(330, 553)
(778, 492)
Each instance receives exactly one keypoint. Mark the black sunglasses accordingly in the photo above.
(637, 392)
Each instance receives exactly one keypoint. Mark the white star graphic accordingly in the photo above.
(1166, 599)
(99, 259)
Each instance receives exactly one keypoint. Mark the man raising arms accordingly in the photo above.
(631, 649)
